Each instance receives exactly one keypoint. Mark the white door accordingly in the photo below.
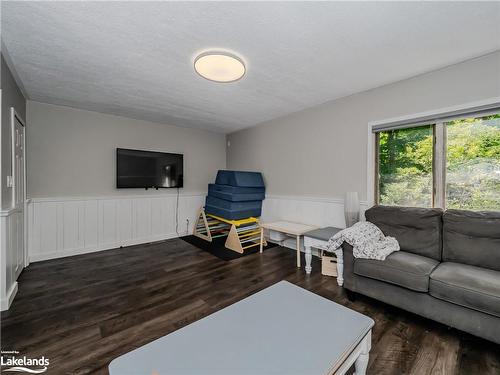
(18, 185)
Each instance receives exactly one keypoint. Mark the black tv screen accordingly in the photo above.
(148, 169)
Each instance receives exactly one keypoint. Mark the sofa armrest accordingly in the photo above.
(349, 277)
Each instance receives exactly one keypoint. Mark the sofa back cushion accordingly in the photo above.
(418, 230)
(472, 238)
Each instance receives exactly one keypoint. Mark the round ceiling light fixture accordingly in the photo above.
(219, 67)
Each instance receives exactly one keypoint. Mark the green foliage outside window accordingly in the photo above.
(472, 171)
(405, 167)
(473, 163)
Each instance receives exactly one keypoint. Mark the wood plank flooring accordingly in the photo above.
(81, 312)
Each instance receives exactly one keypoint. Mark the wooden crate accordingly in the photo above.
(328, 265)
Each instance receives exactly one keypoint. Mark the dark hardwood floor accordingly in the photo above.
(83, 311)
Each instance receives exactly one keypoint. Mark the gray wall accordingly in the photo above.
(71, 152)
(11, 97)
(321, 151)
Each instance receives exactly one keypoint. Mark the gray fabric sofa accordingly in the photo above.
(448, 268)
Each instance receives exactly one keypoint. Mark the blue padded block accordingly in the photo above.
(232, 215)
(235, 197)
(232, 206)
(240, 178)
(235, 189)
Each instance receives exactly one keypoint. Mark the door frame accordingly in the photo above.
(13, 116)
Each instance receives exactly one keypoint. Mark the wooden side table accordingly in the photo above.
(288, 227)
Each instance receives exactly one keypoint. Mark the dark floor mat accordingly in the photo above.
(217, 248)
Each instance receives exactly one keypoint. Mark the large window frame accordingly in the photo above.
(438, 118)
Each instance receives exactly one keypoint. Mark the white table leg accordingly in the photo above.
(361, 363)
(308, 258)
(298, 251)
(340, 266)
(261, 238)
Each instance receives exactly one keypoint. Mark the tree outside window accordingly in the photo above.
(406, 158)
(473, 163)
(405, 167)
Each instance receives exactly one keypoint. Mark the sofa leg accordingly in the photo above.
(351, 296)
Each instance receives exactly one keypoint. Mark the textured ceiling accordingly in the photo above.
(135, 59)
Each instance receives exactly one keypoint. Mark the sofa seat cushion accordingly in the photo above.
(408, 270)
(469, 286)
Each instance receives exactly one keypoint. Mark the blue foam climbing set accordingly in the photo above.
(232, 208)
(235, 195)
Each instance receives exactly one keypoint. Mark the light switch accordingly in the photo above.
(9, 181)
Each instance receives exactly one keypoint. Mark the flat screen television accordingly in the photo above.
(148, 169)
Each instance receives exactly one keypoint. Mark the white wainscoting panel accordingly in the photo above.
(11, 256)
(319, 211)
(308, 210)
(59, 227)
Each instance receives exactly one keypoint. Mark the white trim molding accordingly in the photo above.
(13, 117)
(107, 197)
(60, 227)
(8, 261)
(371, 164)
(5, 213)
(441, 113)
(6, 301)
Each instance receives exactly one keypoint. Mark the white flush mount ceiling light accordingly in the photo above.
(219, 67)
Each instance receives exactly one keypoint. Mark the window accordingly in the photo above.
(448, 163)
(473, 163)
(405, 166)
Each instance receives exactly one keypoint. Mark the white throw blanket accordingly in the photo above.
(367, 241)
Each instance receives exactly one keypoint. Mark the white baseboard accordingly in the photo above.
(9, 297)
(72, 252)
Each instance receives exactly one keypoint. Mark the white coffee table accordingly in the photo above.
(283, 329)
(288, 227)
